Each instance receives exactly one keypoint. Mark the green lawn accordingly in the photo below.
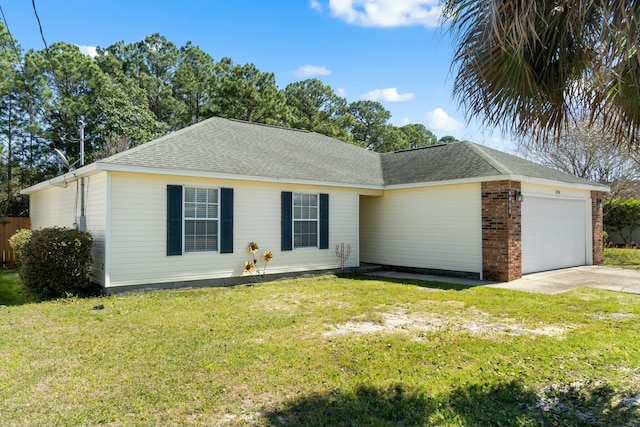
(620, 257)
(325, 351)
(11, 293)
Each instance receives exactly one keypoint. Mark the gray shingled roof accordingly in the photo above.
(518, 166)
(435, 163)
(233, 147)
(461, 160)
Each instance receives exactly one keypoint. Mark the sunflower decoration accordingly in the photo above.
(251, 266)
(253, 247)
(248, 267)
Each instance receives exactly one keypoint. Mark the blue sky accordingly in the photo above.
(390, 51)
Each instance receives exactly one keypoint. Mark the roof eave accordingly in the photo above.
(100, 166)
(227, 176)
(70, 176)
(492, 178)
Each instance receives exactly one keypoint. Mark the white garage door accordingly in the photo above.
(553, 233)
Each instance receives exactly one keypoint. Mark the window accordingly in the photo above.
(305, 220)
(200, 219)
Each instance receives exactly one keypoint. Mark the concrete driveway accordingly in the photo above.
(547, 282)
(591, 276)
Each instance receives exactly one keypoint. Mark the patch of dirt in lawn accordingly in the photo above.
(611, 316)
(472, 321)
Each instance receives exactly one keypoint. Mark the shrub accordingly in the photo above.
(622, 217)
(18, 240)
(55, 262)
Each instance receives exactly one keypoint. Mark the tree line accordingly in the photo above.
(131, 93)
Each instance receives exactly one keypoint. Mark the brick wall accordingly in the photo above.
(501, 231)
(596, 224)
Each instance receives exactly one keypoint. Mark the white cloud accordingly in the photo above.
(88, 50)
(388, 13)
(389, 94)
(406, 121)
(312, 70)
(315, 5)
(438, 119)
(341, 92)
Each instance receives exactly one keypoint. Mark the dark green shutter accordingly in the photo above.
(324, 221)
(286, 223)
(174, 220)
(226, 220)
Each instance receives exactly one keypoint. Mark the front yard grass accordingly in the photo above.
(11, 293)
(622, 257)
(324, 351)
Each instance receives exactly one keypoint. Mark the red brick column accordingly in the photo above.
(501, 231)
(596, 227)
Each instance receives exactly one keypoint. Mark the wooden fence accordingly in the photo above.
(8, 227)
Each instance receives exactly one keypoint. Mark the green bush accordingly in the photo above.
(622, 217)
(55, 262)
(19, 239)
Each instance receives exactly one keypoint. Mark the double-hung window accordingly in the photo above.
(200, 219)
(305, 220)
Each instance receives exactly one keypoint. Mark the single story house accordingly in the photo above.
(181, 210)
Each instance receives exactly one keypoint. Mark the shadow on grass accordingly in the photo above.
(444, 286)
(365, 406)
(476, 405)
(12, 292)
(575, 405)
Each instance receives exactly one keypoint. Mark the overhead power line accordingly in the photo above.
(46, 47)
(48, 53)
(19, 62)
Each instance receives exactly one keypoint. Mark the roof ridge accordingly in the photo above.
(480, 150)
(267, 125)
(402, 150)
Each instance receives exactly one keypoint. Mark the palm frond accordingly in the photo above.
(530, 67)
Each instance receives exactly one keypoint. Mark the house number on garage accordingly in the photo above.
(557, 192)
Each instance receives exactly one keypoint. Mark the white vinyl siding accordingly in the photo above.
(58, 206)
(138, 246)
(436, 228)
(96, 213)
(54, 206)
